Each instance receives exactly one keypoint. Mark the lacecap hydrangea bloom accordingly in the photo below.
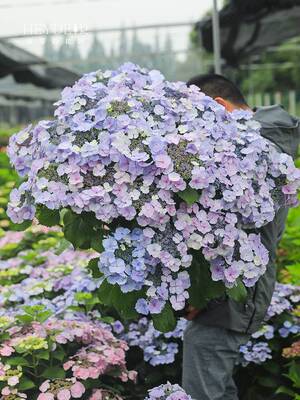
(61, 389)
(284, 298)
(166, 163)
(282, 321)
(168, 392)
(256, 353)
(158, 348)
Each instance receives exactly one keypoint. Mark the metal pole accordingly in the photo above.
(216, 38)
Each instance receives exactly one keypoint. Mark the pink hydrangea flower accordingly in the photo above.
(6, 351)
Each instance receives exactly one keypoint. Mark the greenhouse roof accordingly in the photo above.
(26, 67)
(249, 27)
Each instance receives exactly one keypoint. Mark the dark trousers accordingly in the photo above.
(209, 356)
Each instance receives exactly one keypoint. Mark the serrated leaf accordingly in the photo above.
(17, 361)
(238, 292)
(267, 382)
(48, 217)
(76, 308)
(294, 373)
(59, 354)
(94, 268)
(43, 316)
(272, 367)
(34, 310)
(105, 293)
(62, 246)
(78, 229)
(203, 288)
(22, 227)
(165, 321)
(25, 319)
(96, 242)
(189, 195)
(54, 373)
(108, 320)
(125, 303)
(43, 354)
(285, 390)
(25, 384)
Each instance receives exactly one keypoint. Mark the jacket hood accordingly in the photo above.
(279, 127)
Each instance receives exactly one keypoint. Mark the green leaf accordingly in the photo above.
(105, 293)
(22, 227)
(78, 229)
(238, 292)
(25, 384)
(17, 361)
(43, 316)
(25, 319)
(62, 246)
(43, 355)
(165, 321)
(34, 313)
(108, 320)
(294, 373)
(272, 367)
(33, 310)
(96, 242)
(59, 354)
(76, 308)
(267, 382)
(189, 195)
(48, 217)
(124, 303)
(93, 267)
(54, 373)
(285, 390)
(203, 288)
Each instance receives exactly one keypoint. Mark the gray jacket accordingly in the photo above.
(283, 130)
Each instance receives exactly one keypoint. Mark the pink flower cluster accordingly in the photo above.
(61, 389)
(12, 394)
(102, 353)
(94, 352)
(92, 362)
(101, 394)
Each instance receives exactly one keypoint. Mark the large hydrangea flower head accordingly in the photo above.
(143, 153)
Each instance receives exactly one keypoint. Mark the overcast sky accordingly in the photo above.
(25, 16)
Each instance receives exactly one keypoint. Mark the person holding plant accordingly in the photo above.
(170, 172)
(215, 334)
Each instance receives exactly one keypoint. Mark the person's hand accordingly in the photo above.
(191, 313)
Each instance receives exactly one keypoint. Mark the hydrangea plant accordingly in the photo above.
(36, 269)
(158, 348)
(161, 180)
(45, 358)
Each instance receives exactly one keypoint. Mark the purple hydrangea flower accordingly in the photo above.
(124, 144)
